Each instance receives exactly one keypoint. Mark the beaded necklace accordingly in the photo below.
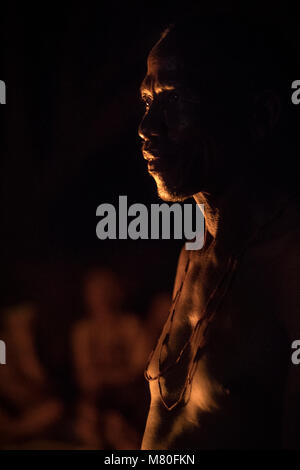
(205, 317)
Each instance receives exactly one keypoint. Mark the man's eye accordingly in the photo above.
(147, 101)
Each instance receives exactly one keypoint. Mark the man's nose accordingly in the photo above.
(151, 125)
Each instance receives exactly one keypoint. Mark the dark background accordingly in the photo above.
(69, 143)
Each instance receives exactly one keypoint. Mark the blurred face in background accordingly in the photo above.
(102, 293)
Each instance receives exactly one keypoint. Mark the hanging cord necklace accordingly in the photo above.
(206, 316)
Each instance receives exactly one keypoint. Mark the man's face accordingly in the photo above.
(186, 130)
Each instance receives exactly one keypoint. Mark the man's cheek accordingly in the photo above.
(183, 135)
(178, 123)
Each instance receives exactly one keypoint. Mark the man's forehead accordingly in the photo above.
(171, 66)
(162, 71)
(163, 58)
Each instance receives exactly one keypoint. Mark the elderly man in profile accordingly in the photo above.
(219, 126)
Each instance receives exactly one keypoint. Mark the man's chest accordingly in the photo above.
(224, 341)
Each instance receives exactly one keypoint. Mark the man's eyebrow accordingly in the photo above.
(145, 88)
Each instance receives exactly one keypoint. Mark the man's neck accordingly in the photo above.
(223, 208)
(211, 211)
(233, 214)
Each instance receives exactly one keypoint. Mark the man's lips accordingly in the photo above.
(156, 164)
(151, 154)
(156, 161)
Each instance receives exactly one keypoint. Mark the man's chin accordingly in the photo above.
(170, 193)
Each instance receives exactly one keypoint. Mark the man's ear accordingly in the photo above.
(265, 113)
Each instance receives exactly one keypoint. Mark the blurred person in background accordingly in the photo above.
(29, 406)
(110, 348)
